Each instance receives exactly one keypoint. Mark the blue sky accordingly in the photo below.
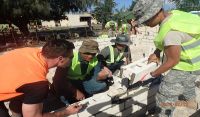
(122, 3)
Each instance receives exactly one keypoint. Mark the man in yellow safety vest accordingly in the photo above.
(112, 56)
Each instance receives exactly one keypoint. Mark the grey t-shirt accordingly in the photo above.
(174, 37)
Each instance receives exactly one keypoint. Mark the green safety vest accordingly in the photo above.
(125, 28)
(103, 36)
(190, 53)
(74, 71)
(112, 56)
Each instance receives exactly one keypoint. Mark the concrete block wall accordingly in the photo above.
(143, 44)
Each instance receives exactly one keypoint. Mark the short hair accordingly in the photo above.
(57, 47)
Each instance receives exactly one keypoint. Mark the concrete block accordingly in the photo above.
(138, 70)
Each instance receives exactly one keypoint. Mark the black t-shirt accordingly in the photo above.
(34, 92)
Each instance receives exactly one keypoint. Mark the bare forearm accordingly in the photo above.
(164, 67)
(104, 73)
(60, 114)
(172, 55)
(128, 61)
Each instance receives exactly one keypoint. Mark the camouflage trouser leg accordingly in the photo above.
(197, 90)
(175, 85)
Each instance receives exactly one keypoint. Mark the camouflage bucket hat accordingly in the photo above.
(122, 39)
(146, 9)
(89, 46)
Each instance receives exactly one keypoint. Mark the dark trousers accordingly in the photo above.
(115, 66)
(52, 103)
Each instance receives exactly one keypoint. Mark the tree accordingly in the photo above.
(119, 13)
(104, 11)
(20, 12)
(132, 5)
(187, 5)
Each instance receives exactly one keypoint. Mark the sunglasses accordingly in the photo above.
(92, 54)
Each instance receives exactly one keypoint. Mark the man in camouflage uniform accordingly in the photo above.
(178, 37)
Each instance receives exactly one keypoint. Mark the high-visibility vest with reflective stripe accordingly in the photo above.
(74, 71)
(190, 53)
(112, 56)
(124, 27)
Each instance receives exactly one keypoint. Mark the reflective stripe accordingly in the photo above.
(192, 61)
(111, 54)
(196, 59)
(112, 59)
(119, 57)
(195, 44)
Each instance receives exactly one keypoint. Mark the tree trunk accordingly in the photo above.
(23, 28)
(22, 25)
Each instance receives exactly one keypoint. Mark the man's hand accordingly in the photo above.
(146, 77)
(79, 95)
(153, 58)
(104, 73)
(72, 109)
(107, 72)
